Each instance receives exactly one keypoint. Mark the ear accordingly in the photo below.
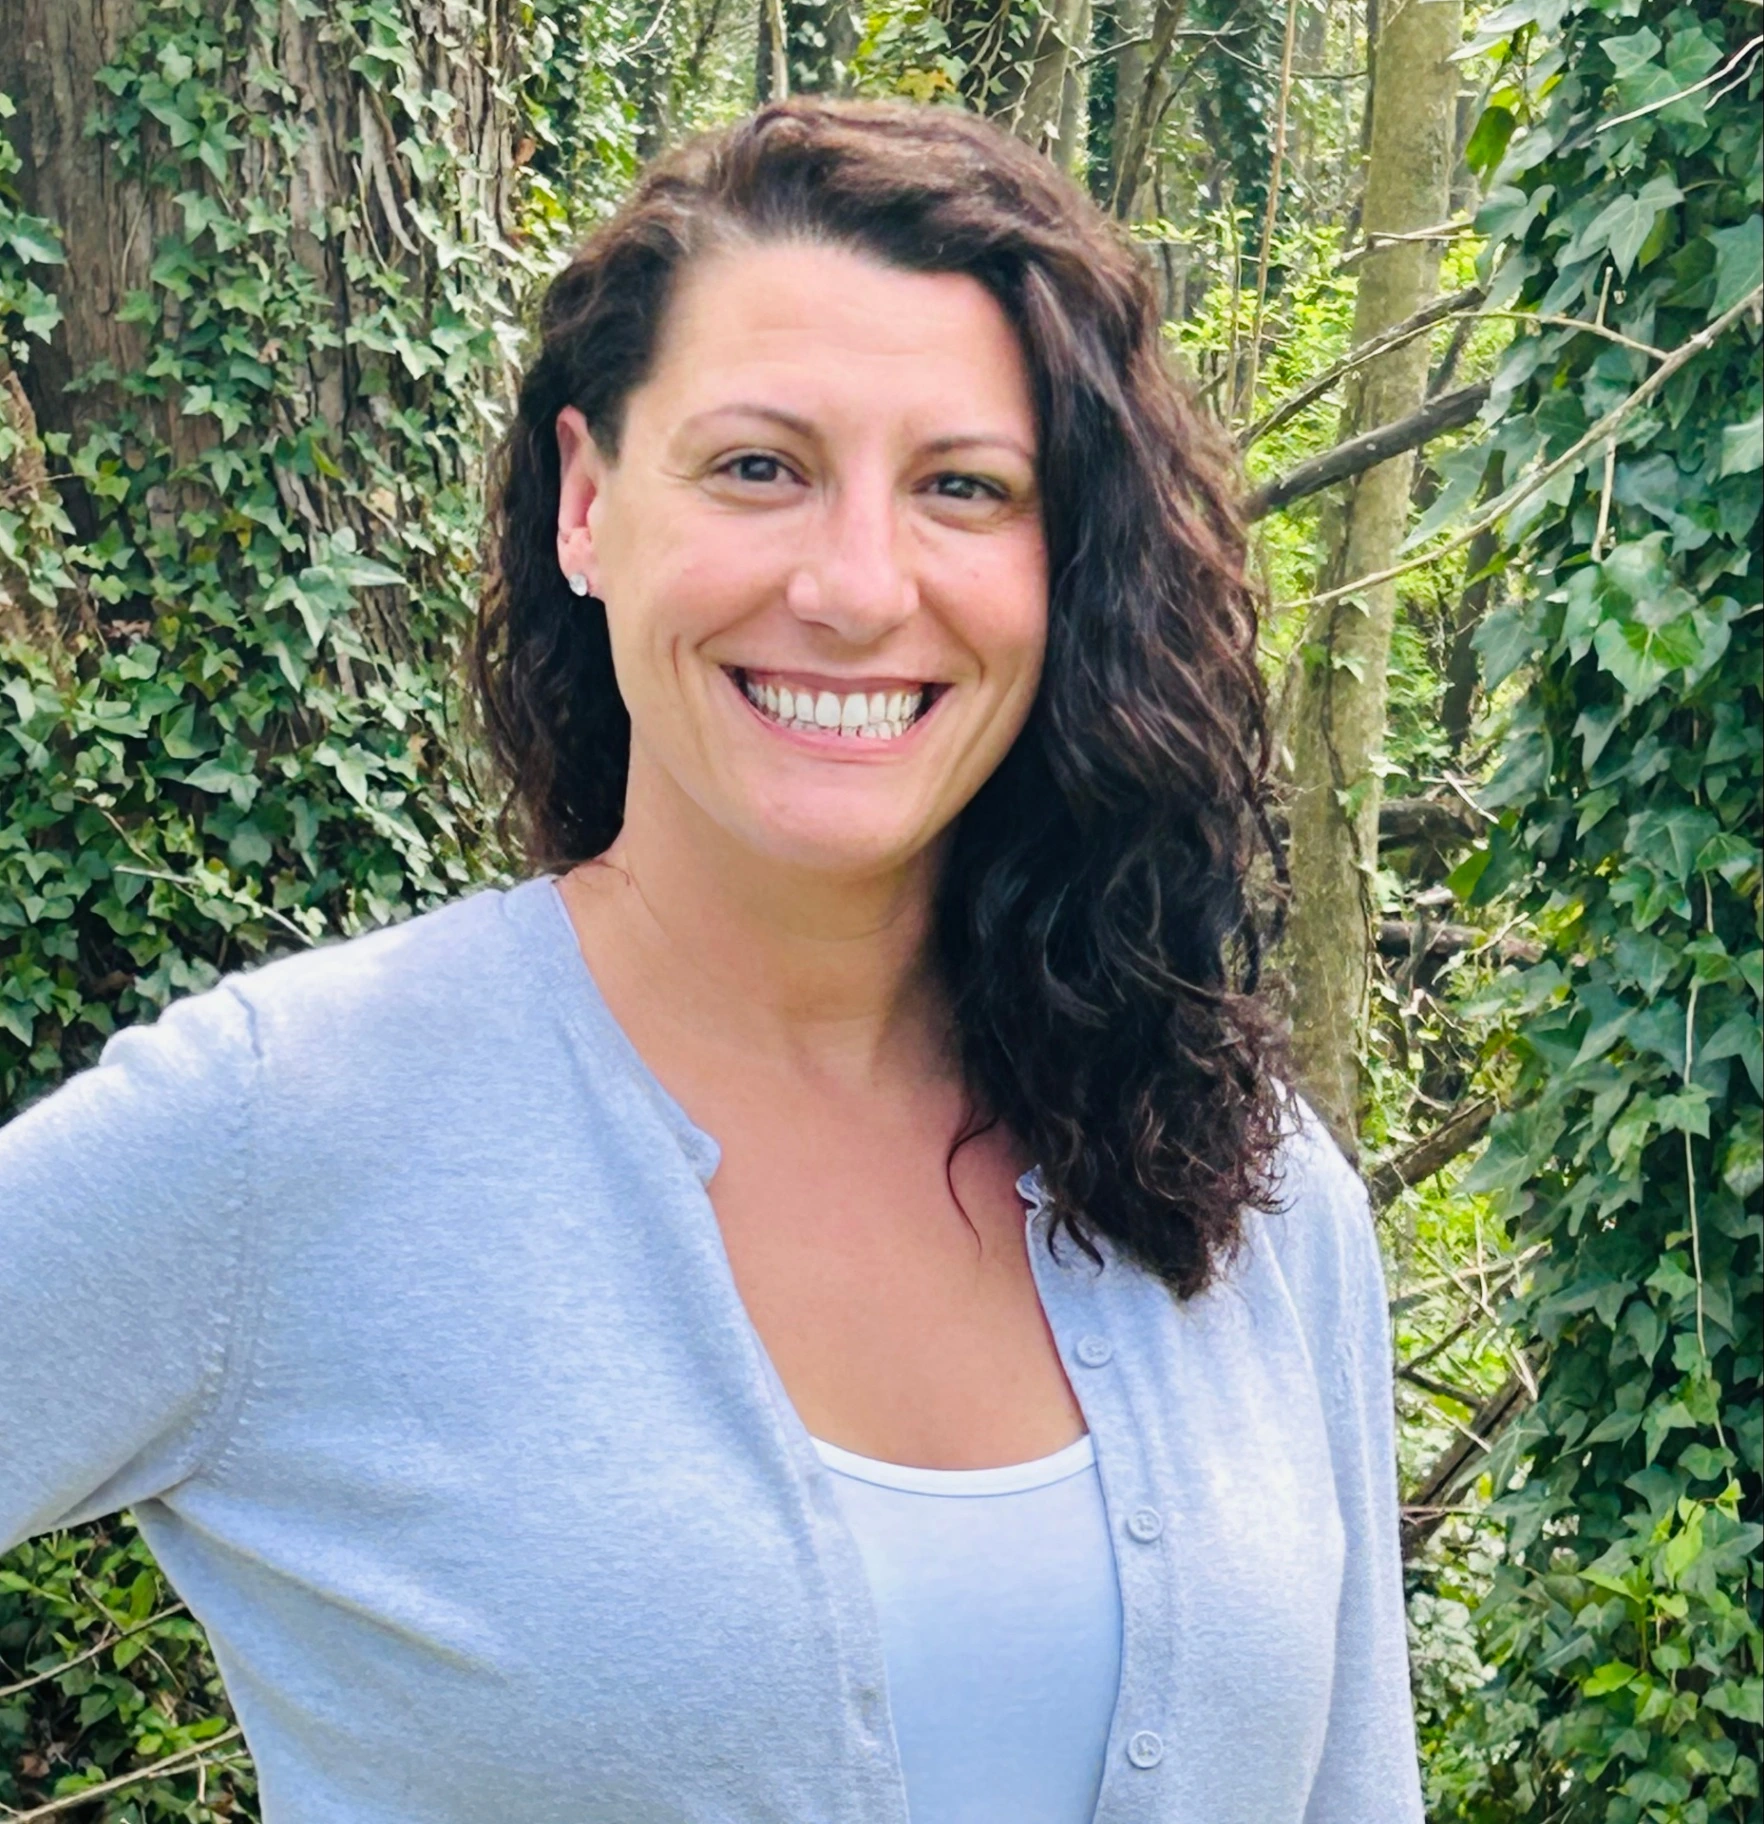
(581, 473)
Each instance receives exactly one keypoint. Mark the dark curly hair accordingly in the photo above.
(1093, 922)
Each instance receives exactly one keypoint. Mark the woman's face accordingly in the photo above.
(820, 550)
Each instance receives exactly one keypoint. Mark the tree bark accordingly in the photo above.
(1133, 140)
(1339, 714)
(1132, 24)
(1047, 107)
(335, 166)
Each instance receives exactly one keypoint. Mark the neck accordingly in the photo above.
(681, 922)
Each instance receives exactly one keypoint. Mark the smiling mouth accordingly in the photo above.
(858, 715)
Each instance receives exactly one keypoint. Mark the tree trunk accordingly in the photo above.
(1339, 714)
(288, 282)
(1075, 96)
(1048, 104)
(820, 36)
(1132, 24)
(363, 221)
(1144, 107)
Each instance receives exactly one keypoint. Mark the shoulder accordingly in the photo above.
(343, 1017)
(1318, 1234)
(431, 958)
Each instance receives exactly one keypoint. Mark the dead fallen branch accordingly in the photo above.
(1397, 939)
(1449, 412)
(1456, 1134)
(1436, 1495)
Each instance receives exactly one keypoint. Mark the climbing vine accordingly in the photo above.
(1623, 157)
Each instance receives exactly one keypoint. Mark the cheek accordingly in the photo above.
(681, 594)
(1002, 609)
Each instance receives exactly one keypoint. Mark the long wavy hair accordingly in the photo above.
(1093, 922)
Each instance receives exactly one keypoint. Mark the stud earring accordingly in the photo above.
(578, 583)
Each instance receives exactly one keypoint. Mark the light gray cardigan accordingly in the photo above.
(382, 1284)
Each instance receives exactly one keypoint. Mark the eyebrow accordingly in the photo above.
(939, 446)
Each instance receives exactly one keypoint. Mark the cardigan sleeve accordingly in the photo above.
(122, 1268)
(1369, 1772)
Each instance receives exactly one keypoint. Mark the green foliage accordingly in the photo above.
(1624, 1622)
(148, 1695)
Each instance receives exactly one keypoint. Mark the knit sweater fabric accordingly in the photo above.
(381, 1283)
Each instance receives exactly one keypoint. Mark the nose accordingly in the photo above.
(857, 581)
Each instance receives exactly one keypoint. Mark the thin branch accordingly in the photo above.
(1653, 107)
(1132, 153)
(1454, 1136)
(1433, 1497)
(1439, 231)
(1457, 1333)
(780, 49)
(181, 1762)
(1459, 306)
(1523, 490)
(1459, 303)
(218, 889)
(79, 1659)
(1440, 1389)
(1272, 212)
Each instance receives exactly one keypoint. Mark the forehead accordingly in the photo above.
(821, 327)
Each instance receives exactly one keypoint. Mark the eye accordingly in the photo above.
(967, 487)
(755, 467)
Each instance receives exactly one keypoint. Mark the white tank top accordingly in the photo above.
(1001, 1630)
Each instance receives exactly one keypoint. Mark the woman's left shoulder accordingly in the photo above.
(1318, 1229)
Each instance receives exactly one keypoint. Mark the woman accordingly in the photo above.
(811, 1309)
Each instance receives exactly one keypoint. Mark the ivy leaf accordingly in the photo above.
(1739, 262)
(31, 238)
(1739, 1036)
(1644, 960)
(1624, 224)
(1742, 1165)
(1684, 1112)
(1612, 1676)
(1670, 840)
(1742, 446)
(1641, 658)
(1487, 145)
(1631, 53)
(1609, 1016)
(1505, 640)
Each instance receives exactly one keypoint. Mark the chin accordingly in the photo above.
(839, 848)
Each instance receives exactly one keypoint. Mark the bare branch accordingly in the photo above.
(1459, 1465)
(1449, 412)
(1455, 1135)
(1523, 490)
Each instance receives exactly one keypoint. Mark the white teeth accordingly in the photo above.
(876, 715)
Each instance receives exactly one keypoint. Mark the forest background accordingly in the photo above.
(1477, 292)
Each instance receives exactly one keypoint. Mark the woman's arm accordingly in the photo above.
(1369, 1772)
(122, 1276)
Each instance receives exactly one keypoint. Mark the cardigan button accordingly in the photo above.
(1145, 1524)
(1094, 1351)
(1146, 1748)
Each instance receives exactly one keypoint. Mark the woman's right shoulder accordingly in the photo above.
(335, 1025)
